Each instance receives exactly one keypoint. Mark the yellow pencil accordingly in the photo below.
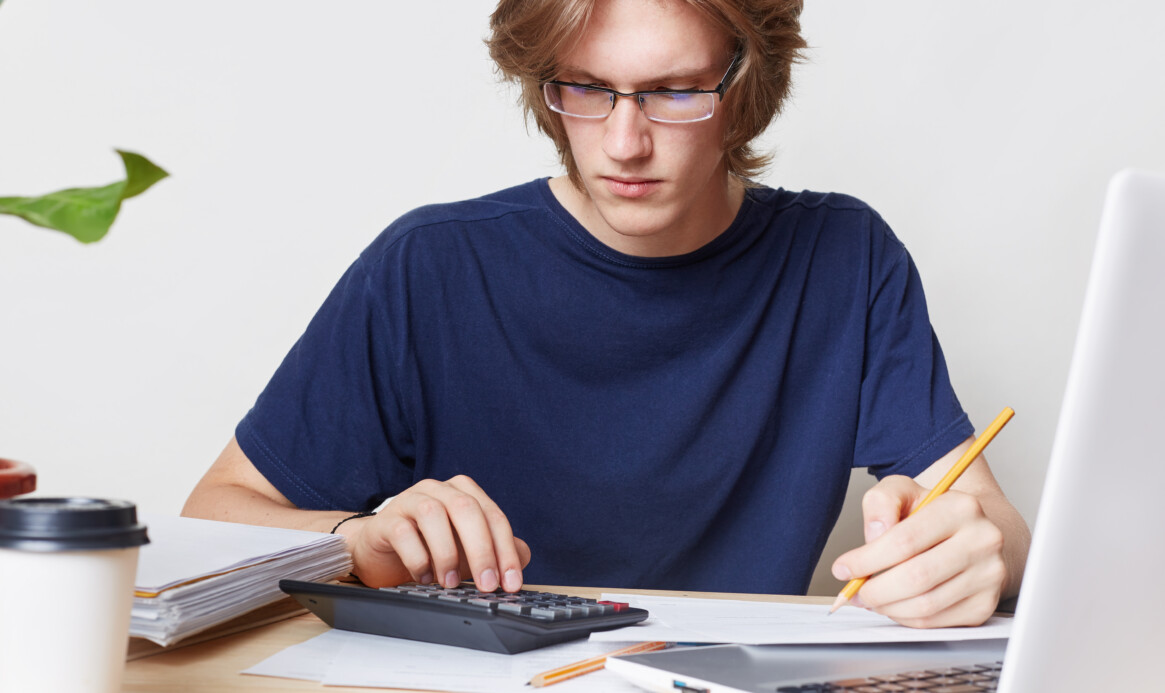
(852, 587)
(586, 666)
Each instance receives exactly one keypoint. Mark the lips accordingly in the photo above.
(631, 187)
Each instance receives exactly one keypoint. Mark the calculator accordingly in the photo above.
(462, 616)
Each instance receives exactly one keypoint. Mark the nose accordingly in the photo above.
(628, 131)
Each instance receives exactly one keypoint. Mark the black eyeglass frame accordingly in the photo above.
(639, 95)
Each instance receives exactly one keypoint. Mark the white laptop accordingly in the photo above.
(1091, 616)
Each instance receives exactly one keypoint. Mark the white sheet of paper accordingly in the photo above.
(693, 620)
(308, 661)
(341, 658)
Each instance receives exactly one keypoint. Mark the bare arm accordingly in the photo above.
(442, 531)
(232, 490)
(952, 562)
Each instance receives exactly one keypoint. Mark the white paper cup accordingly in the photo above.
(67, 568)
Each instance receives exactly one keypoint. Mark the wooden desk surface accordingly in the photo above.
(214, 666)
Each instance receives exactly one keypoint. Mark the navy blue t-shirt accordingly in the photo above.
(677, 423)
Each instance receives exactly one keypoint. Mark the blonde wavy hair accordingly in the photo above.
(528, 37)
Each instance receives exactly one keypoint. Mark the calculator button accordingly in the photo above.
(574, 610)
(548, 613)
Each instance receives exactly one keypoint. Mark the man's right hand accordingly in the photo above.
(443, 531)
(438, 531)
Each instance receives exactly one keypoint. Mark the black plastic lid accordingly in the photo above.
(69, 524)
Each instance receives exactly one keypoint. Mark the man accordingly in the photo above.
(656, 372)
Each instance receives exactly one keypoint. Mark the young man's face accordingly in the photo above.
(651, 188)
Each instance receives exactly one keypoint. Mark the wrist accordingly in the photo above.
(347, 531)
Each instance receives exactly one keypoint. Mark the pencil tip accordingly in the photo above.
(837, 603)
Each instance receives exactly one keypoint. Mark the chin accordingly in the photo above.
(639, 223)
(637, 216)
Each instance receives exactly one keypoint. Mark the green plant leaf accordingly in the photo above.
(86, 213)
(140, 173)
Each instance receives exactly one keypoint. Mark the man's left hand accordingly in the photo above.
(944, 566)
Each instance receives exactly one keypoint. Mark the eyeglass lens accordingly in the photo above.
(664, 107)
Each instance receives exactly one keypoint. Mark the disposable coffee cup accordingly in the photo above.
(67, 568)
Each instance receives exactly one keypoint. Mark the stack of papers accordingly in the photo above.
(195, 574)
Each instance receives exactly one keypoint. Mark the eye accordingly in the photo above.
(673, 97)
(590, 93)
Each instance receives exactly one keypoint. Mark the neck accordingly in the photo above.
(644, 231)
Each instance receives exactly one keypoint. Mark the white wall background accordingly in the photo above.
(983, 131)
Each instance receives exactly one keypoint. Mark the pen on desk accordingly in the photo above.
(851, 588)
(586, 666)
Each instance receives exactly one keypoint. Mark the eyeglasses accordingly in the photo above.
(663, 106)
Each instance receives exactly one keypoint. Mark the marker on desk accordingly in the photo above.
(586, 666)
(851, 588)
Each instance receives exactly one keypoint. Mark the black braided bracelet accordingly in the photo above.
(350, 517)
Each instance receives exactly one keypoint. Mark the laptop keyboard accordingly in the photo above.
(969, 679)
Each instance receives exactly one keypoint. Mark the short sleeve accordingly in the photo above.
(328, 431)
(909, 415)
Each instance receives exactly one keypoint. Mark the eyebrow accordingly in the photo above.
(680, 75)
